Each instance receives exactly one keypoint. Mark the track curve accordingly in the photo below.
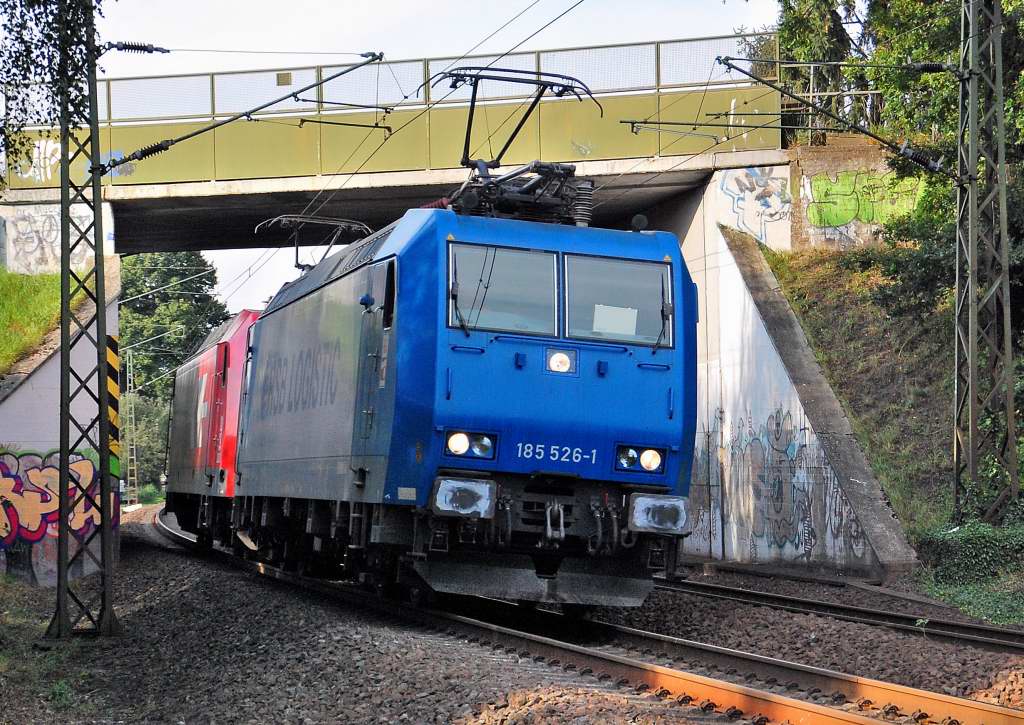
(740, 685)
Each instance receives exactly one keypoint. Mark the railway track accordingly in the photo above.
(740, 685)
(998, 638)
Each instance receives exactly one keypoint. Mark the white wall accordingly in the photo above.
(30, 237)
(762, 488)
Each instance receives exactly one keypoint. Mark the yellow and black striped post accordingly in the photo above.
(113, 405)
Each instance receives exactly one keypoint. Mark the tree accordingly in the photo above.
(42, 43)
(918, 257)
(815, 31)
(151, 417)
(167, 310)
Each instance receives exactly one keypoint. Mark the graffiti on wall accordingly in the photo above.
(42, 167)
(32, 233)
(782, 500)
(799, 511)
(759, 202)
(849, 207)
(29, 512)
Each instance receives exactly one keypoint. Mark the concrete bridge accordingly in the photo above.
(779, 476)
(211, 191)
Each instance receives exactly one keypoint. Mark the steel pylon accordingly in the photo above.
(984, 425)
(131, 492)
(85, 425)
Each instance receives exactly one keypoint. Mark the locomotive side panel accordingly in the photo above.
(298, 409)
(186, 463)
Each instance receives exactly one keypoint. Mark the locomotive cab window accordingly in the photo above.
(497, 288)
(618, 300)
(388, 316)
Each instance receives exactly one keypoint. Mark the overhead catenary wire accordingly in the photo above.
(241, 51)
(901, 150)
(434, 103)
(669, 145)
(916, 67)
(161, 146)
(689, 157)
(168, 286)
(323, 189)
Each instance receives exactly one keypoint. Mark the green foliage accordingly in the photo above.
(890, 371)
(29, 308)
(35, 55)
(61, 695)
(167, 325)
(1000, 601)
(971, 553)
(151, 415)
(150, 494)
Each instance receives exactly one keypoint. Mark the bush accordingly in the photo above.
(972, 552)
(150, 494)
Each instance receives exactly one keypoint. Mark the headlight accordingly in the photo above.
(458, 443)
(627, 457)
(482, 446)
(476, 445)
(638, 459)
(561, 361)
(650, 460)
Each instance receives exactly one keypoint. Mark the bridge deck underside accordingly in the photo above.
(228, 221)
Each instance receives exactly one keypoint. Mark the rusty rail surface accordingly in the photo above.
(840, 697)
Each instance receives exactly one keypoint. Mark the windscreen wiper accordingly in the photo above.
(455, 295)
(666, 314)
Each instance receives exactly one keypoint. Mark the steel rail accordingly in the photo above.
(981, 634)
(856, 699)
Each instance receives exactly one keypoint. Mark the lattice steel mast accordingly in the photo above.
(131, 492)
(984, 428)
(84, 397)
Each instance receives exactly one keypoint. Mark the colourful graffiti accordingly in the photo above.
(758, 198)
(849, 207)
(782, 501)
(29, 511)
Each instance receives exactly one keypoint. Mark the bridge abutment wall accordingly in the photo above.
(779, 478)
(30, 405)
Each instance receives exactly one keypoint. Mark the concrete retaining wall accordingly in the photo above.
(778, 476)
(29, 411)
(30, 237)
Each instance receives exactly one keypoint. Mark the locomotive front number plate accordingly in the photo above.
(555, 452)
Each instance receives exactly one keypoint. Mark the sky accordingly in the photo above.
(402, 29)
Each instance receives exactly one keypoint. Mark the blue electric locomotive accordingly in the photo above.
(490, 397)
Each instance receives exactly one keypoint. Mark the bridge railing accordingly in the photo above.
(661, 65)
(319, 133)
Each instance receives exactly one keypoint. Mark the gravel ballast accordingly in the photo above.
(207, 643)
(858, 649)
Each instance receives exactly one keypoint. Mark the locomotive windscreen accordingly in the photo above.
(512, 290)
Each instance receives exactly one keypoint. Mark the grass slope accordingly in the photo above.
(892, 374)
(29, 308)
